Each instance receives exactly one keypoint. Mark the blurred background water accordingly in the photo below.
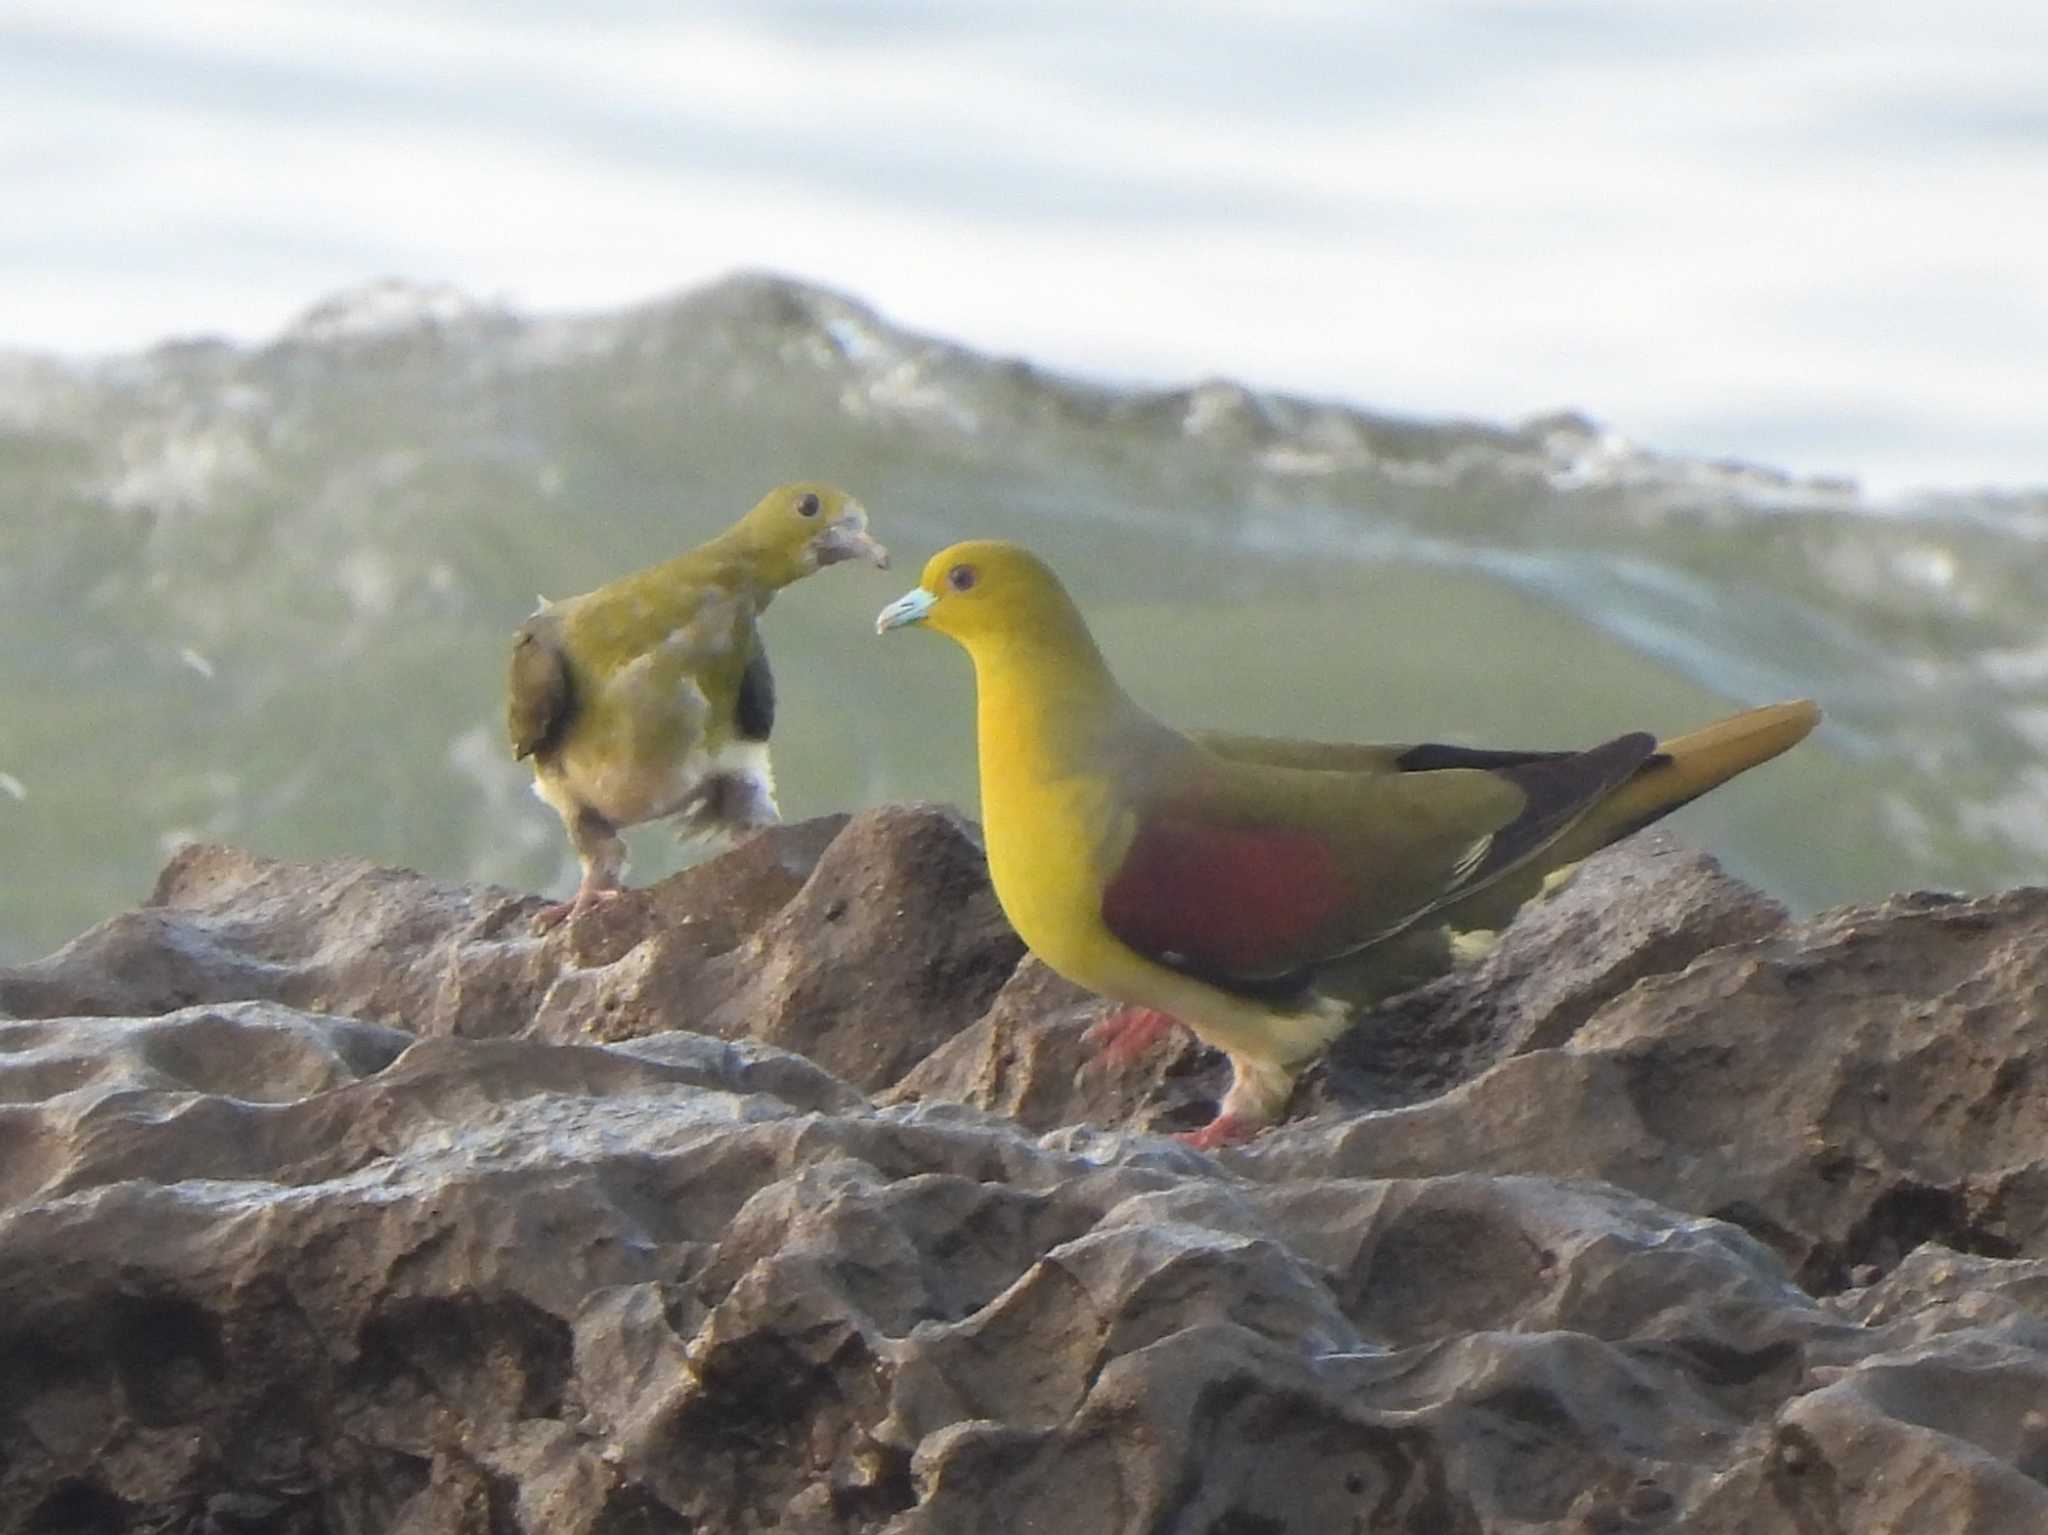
(257, 583)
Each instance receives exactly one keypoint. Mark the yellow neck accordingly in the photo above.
(1044, 702)
(1050, 719)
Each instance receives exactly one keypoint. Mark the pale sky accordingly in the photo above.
(1810, 235)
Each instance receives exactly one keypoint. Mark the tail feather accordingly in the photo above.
(1678, 772)
(1268, 1049)
(1687, 766)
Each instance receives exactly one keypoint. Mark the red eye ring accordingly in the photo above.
(960, 578)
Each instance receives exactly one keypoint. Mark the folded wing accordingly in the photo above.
(1249, 873)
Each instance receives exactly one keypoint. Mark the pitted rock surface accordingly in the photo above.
(782, 1196)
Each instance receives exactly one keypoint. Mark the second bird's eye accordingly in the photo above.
(807, 505)
(960, 577)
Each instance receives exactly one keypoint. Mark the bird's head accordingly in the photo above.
(806, 526)
(985, 588)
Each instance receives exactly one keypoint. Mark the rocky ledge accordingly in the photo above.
(780, 1196)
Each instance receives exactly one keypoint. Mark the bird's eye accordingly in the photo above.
(960, 577)
(807, 504)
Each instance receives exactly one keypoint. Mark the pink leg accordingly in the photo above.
(550, 917)
(603, 857)
(1223, 1130)
(1124, 1035)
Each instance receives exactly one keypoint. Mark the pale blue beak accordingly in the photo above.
(910, 608)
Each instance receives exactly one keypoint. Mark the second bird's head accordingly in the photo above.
(809, 525)
(982, 588)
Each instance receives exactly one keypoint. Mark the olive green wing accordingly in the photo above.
(1346, 757)
(1246, 873)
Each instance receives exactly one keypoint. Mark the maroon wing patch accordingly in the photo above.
(1223, 898)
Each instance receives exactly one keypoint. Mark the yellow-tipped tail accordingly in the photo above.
(1687, 766)
(1683, 768)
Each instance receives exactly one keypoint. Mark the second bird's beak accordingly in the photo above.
(849, 539)
(911, 608)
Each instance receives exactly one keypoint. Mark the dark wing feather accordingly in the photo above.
(1336, 757)
(1560, 789)
(1432, 757)
(539, 697)
(754, 715)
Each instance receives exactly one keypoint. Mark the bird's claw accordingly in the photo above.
(1124, 1036)
(553, 915)
(1223, 1130)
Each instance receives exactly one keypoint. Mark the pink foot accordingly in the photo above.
(1223, 1130)
(550, 917)
(1125, 1035)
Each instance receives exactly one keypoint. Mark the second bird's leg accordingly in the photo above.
(603, 853)
(1125, 1035)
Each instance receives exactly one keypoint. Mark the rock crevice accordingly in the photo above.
(782, 1196)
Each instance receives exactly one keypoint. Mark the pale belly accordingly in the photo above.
(629, 791)
(636, 759)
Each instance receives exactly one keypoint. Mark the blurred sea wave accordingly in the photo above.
(262, 594)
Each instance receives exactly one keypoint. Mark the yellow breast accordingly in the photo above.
(1055, 832)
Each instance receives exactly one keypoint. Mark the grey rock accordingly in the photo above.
(1025, 1058)
(1647, 907)
(782, 1196)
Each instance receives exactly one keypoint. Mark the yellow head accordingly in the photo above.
(798, 528)
(987, 591)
